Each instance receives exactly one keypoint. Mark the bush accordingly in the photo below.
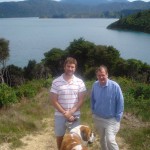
(7, 95)
(47, 83)
(142, 91)
(29, 89)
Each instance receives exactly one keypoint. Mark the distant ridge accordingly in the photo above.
(92, 2)
(71, 8)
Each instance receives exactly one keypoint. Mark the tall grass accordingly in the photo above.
(24, 118)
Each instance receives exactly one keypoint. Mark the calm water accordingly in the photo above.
(30, 38)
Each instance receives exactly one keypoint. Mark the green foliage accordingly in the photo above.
(89, 84)
(79, 49)
(4, 49)
(139, 21)
(26, 90)
(54, 60)
(90, 56)
(48, 82)
(22, 119)
(86, 113)
(7, 95)
(4, 54)
(142, 91)
(29, 70)
(14, 75)
(137, 97)
(36, 70)
(29, 89)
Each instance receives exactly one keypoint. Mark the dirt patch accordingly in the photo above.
(45, 140)
(42, 140)
(130, 120)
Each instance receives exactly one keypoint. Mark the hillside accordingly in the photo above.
(73, 9)
(137, 22)
(92, 2)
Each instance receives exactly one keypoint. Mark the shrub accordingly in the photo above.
(7, 95)
(47, 83)
(29, 89)
(142, 91)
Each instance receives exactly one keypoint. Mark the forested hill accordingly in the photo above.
(138, 22)
(71, 8)
(92, 2)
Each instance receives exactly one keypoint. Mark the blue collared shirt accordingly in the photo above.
(107, 101)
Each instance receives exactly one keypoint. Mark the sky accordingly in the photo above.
(17, 0)
(55, 0)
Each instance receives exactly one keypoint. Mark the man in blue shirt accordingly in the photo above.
(107, 104)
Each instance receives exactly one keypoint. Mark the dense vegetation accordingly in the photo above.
(88, 55)
(71, 8)
(138, 22)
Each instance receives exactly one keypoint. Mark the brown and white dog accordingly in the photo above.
(78, 138)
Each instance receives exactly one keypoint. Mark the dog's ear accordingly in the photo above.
(84, 134)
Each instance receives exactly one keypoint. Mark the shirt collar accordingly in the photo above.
(73, 78)
(105, 84)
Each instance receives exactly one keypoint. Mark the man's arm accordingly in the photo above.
(81, 97)
(120, 105)
(54, 102)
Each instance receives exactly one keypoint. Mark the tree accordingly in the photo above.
(79, 49)
(4, 54)
(41, 71)
(29, 70)
(134, 67)
(14, 75)
(121, 68)
(54, 60)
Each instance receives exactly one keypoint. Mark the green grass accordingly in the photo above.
(24, 118)
(137, 138)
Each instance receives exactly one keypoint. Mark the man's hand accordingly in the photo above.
(69, 116)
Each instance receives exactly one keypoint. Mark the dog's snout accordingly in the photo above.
(92, 138)
(89, 142)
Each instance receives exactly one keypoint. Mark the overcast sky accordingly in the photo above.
(16, 0)
(55, 0)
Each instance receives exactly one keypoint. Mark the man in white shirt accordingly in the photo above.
(67, 96)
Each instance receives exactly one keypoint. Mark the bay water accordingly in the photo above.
(30, 38)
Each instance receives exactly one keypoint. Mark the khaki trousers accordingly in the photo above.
(107, 129)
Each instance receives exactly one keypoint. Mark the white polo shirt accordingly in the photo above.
(67, 92)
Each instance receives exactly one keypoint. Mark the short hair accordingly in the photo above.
(70, 60)
(101, 67)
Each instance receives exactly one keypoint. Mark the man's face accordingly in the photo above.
(69, 69)
(102, 76)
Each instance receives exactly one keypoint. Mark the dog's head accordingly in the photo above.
(85, 133)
